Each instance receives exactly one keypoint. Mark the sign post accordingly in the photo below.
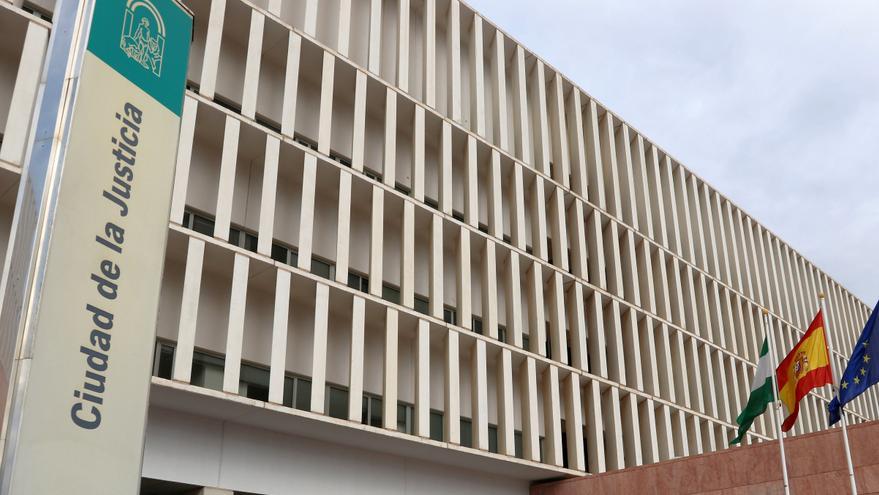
(81, 281)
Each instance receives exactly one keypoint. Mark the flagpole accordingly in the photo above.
(835, 392)
(776, 421)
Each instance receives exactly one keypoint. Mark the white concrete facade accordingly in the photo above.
(392, 220)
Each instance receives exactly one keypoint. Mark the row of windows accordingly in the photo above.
(208, 369)
(242, 238)
(203, 224)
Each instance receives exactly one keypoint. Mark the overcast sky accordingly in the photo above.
(776, 104)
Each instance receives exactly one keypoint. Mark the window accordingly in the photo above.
(372, 174)
(517, 444)
(199, 223)
(285, 254)
(492, 438)
(529, 249)
(405, 413)
(163, 360)
(564, 445)
(526, 342)
(227, 103)
(476, 322)
(267, 122)
(547, 344)
(323, 268)
(568, 345)
(254, 382)
(549, 250)
(242, 239)
(457, 215)
(372, 410)
(436, 425)
(422, 304)
(508, 239)
(450, 315)
(466, 432)
(304, 141)
(337, 402)
(502, 333)
(297, 392)
(341, 159)
(207, 371)
(37, 11)
(483, 227)
(358, 281)
(391, 293)
(431, 202)
(403, 188)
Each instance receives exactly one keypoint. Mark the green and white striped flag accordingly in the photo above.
(761, 393)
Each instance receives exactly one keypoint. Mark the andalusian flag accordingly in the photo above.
(761, 393)
(807, 366)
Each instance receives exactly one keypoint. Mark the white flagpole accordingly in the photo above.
(834, 388)
(776, 403)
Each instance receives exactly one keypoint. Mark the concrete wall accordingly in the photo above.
(194, 450)
(816, 464)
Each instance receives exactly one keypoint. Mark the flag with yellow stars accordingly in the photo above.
(862, 370)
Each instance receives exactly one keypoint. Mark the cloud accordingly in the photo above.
(775, 104)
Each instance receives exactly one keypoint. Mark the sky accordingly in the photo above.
(775, 104)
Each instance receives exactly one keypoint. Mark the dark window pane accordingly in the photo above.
(321, 268)
(303, 394)
(436, 426)
(466, 432)
(492, 438)
(375, 413)
(404, 418)
(517, 441)
(338, 403)
(358, 282)
(202, 225)
(422, 305)
(165, 360)
(450, 316)
(254, 382)
(364, 410)
(477, 324)
(234, 237)
(279, 253)
(564, 446)
(250, 242)
(391, 294)
(207, 371)
(289, 386)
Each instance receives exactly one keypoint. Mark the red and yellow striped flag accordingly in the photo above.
(807, 366)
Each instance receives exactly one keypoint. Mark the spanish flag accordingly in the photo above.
(807, 366)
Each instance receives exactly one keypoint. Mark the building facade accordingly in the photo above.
(407, 255)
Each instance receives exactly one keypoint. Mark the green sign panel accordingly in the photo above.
(147, 42)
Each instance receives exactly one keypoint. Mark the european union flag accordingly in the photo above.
(862, 370)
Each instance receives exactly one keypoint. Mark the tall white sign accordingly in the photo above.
(81, 297)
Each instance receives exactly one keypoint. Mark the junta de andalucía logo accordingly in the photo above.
(143, 35)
